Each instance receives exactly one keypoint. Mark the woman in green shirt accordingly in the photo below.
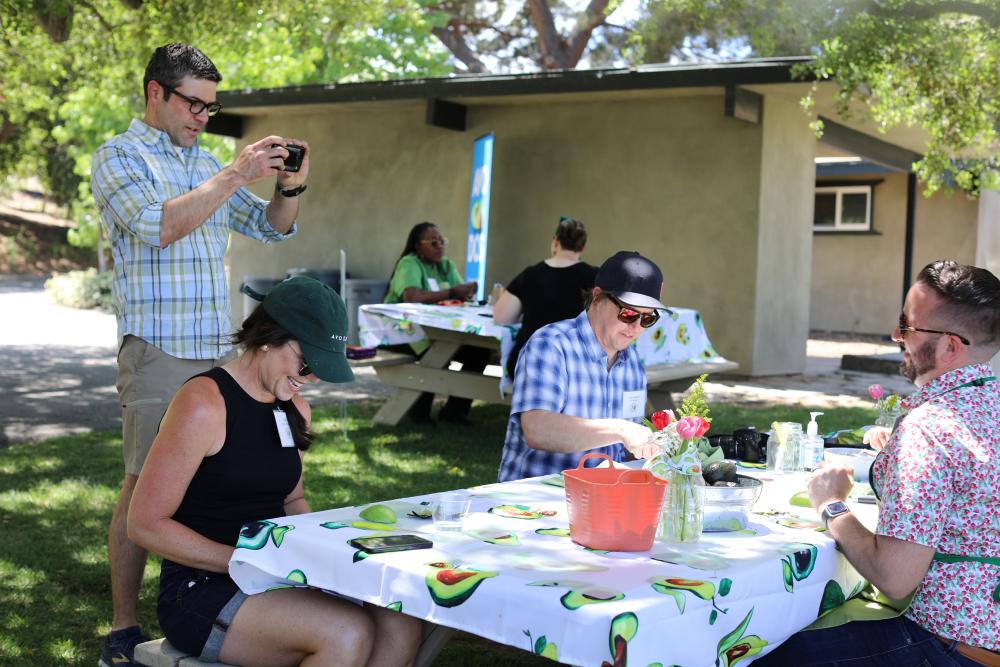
(424, 275)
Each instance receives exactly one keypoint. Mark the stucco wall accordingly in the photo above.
(784, 251)
(672, 177)
(857, 282)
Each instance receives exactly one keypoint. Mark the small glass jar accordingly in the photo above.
(784, 448)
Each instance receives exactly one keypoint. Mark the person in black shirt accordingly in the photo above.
(549, 291)
(228, 456)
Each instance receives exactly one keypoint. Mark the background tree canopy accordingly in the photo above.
(72, 70)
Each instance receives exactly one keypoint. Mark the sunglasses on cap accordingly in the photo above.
(627, 314)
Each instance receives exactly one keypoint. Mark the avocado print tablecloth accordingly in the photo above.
(514, 576)
(679, 336)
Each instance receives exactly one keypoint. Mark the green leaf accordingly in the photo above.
(729, 640)
(724, 587)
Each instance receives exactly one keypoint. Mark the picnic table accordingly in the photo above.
(513, 575)
(675, 351)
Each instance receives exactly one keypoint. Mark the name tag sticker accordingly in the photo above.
(284, 430)
(432, 285)
(633, 403)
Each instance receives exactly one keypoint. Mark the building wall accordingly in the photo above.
(857, 281)
(671, 177)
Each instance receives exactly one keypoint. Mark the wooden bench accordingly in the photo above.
(160, 653)
(664, 379)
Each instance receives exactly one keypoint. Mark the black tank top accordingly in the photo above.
(249, 478)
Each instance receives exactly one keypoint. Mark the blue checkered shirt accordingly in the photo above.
(564, 369)
(175, 298)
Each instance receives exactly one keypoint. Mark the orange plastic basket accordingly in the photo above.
(613, 509)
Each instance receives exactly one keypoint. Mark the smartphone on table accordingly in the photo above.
(380, 544)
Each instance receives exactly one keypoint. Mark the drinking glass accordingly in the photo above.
(450, 512)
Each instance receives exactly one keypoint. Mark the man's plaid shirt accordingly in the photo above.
(175, 298)
(564, 369)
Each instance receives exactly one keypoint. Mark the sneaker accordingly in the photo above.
(119, 648)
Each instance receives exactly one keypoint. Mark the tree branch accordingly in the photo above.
(592, 18)
(550, 42)
(452, 37)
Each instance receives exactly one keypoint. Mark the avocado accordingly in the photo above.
(800, 499)
(786, 575)
(555, 532)
(803, 561)
(395, 606)
(450, 586)
(378, 514)
(625, 626)
(545, 648)
(743, 648)
(703, 589)
(278, 534)
(719, 471)
(833, 597)
(298, 576)
(372, 525)
(495, 537)
(576, 599)
(254, 534)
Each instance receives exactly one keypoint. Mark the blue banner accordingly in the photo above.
(479, 213)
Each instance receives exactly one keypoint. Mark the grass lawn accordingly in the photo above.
(56, 499)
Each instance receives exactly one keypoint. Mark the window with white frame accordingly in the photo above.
(843, 208)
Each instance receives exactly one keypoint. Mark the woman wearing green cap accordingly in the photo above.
(228, 455)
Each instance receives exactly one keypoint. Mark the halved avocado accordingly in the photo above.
(623, 625)
(803, 562)
(833, 597)
(703, 589)
(576, 599)
(450, 586)
(744, 648)
(253, 535)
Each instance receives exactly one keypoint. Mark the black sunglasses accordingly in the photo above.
(904, 327)
(305, 370)
(195, 106)
(627, 314)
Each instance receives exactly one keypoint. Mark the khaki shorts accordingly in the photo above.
(148, 378)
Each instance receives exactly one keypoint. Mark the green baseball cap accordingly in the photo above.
(317, 318)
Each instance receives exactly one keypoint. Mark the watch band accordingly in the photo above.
(292, 192)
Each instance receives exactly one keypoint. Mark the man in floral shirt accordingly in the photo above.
(938, 479)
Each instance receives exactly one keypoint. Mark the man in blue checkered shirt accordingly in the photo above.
(579, 386)
(168, 208)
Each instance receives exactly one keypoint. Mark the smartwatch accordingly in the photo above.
(835, 508)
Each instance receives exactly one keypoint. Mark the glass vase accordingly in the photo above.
(681, 519)
(887, 416)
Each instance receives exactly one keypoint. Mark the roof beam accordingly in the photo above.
(867, 146)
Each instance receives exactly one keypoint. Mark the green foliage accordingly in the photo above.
(81, 289)
(59, 100)
(923, 64)
(694, 404)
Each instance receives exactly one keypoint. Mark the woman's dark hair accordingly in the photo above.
(972, 298)
(259, 330)
(412, 239)
(571, 234)
(172, 62)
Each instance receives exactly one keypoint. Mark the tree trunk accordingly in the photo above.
(55, 17)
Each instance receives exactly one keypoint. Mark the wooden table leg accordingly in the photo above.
(437, 356)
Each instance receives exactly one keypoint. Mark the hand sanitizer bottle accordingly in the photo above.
(812, 449)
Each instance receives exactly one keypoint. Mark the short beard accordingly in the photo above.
(921, 361)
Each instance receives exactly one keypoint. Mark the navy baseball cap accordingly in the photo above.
(633, 279)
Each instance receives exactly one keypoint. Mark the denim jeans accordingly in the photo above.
(897, 642)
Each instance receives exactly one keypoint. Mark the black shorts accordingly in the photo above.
(195, 608)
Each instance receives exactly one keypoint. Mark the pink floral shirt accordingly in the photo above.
(939, 482)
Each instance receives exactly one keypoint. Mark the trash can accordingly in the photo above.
(357, 293)
(259, 284)
(329, 277)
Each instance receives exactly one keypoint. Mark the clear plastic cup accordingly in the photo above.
(450, 512)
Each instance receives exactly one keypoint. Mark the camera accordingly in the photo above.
(295, 155)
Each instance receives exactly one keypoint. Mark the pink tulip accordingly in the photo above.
(876, 391)
(703, 429)
(689, 428)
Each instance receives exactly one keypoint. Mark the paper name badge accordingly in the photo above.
(633, 404)
(284, 429)
(432, 285)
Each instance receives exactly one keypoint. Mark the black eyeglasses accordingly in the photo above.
(627, 314)
(305, 370)
(195, 106)
(904, 327)
(435, 243)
